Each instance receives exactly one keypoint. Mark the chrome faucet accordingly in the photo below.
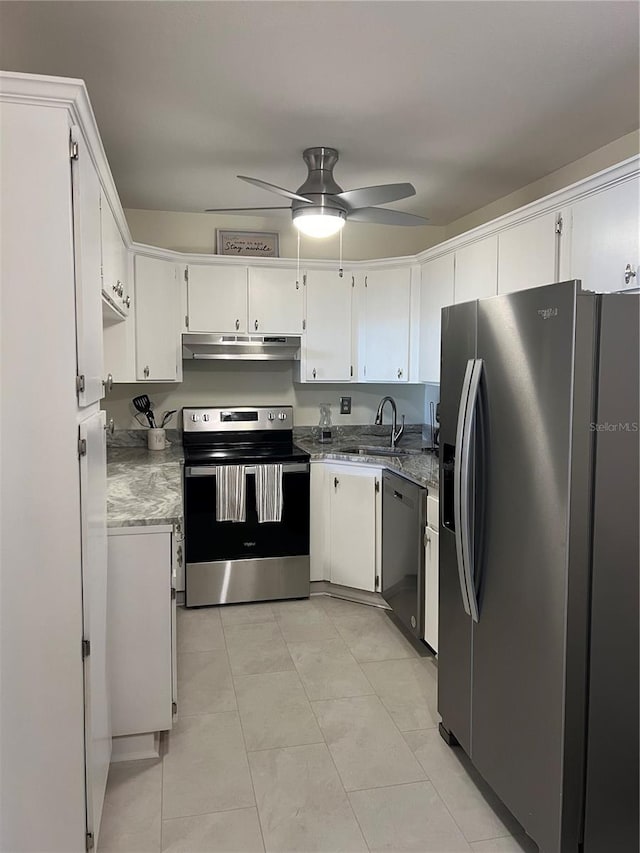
(396, 434)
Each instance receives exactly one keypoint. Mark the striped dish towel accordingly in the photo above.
(269, 492)
(231, 503)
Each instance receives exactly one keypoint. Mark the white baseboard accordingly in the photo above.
(135, 747)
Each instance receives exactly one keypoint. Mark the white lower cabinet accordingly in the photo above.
(141, 629)
(431, 568)
(346, 525)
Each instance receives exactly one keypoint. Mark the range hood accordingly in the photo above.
(241, 347)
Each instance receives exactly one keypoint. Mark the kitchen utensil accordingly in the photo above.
(143, 405)
(166, 417)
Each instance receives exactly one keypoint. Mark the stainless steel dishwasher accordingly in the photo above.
(404, 509)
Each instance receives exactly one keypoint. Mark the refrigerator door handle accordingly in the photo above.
(466, 462)
(458, 494)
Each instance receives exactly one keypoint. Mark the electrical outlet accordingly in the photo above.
(345, 405)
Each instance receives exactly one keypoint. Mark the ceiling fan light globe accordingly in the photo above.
(319, 224)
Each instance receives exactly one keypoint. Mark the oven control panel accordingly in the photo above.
(237, 419)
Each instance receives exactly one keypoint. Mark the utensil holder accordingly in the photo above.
(157, 439)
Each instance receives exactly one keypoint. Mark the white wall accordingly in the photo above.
(256, 383)
(615, 152)
(196, 232)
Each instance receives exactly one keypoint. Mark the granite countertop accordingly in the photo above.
(420, 467)
(144, 487)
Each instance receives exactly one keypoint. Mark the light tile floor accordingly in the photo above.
(303, 726)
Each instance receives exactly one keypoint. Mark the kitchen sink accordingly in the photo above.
(373, 450)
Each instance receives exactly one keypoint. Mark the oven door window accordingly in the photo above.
(208, 540)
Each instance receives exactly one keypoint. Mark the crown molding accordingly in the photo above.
(71, 95)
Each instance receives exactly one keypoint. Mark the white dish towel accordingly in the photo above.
(269, 492)
(231, 493)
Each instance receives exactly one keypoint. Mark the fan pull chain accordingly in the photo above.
(298, 265)
(340, 270)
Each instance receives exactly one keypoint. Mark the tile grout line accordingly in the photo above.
(441, 798)
(246, 755)
(346, 793)
(348, 650)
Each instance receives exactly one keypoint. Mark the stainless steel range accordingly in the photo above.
(241, 463)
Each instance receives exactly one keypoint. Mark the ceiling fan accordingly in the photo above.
(320, 207)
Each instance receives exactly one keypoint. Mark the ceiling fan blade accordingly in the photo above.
(382, 216)
(368, 196)
(274, 189)
(243, 209)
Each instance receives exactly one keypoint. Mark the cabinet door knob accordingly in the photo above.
(336, 482)
(237, 325)
(109, 382)
(111, 426)
(399, 373)
(255, 325)
(146, 372)
(314, 373)
(629, 273)
(127, 302)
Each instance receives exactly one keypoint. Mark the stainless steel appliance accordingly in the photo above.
(240, 347)
(404, 513)
(243, 561)
(538, 621)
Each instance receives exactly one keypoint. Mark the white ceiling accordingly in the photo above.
(467, 100)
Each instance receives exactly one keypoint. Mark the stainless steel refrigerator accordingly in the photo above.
(538, 620)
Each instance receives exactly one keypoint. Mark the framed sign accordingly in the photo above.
(257, 244)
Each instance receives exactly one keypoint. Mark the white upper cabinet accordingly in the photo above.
(476, 273)
(327, 344)
(217, 299)
(605, 236)
(436, 291)
(120, 342)
(114, 260)
(275, 301)
(87, 260)
(383, 328)
(527, 254)
(158, 343)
